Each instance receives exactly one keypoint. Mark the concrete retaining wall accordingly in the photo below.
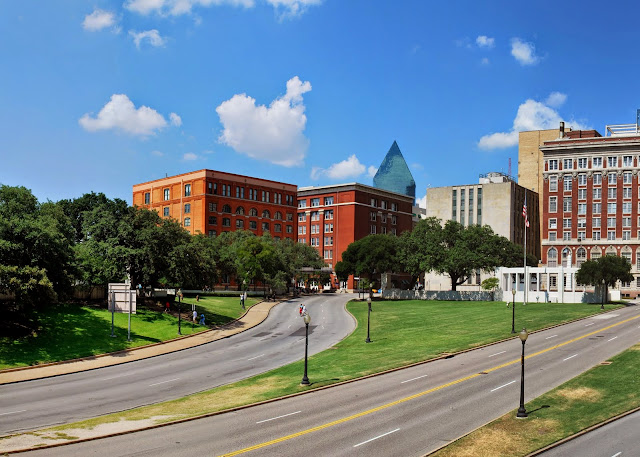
(447, 295)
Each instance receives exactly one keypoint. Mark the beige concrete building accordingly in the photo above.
(495, 201)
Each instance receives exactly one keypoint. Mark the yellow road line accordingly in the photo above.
(413, 397)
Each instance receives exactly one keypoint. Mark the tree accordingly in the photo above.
(490, 284)
(604, 271)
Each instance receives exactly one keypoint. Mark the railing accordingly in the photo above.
(621, 129)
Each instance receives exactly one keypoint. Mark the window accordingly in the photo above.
(253, 212)
(582, 194)
(302, 217)
(213, 220)
(372, 215)
(265, 226)
(553, 223)
(597, 193)
(612, 179)
(264, 196)
(595, 235)
(566, 223)
(239, 192)
(553, 204)
(239, 223)
(372, 229)
(612, 162)
(147, 198)
(315, 228)
(627, 177)
(394, 231)
(552, 236)
(394, 207)
(328, 241)
(611, 208)
(566, 204)
(552, 257)
(328, 201)
(597, 208)
(626, 221)
(582, 162)
(611, 222)
(213, 206)
(266, 214)
(226, 222)
(302, 229)
(226, 209)
(384, 230)
(566, 236)
(567, 164)
(315, 215)
(253, 225)
(166, 194)
(165, 211)
(596, 253)
(302, 240)
(581, 256)
(394, 220)
(289, 229)
(328, 254)
(315, 202)
(315, 241)
(384, 204)
(596, 162)
(383, 218)
(328, 228)
(212, 233)
(611, 235)
(328, 214)
(626, 235)
(277, 228)
(595, 222)
(597, 179)
(582, 179)
(209, 188)
(612, 193)
(553, 183)
(582, 208)
(240, 210)
(289, 217)
(627, 161)
(277, 216)
(626, 207)
(374, 202)
(302, 203)
(626, 192)
(226, 190)
(187, 208)
(187, 190)
(454, 204)
(582, 235)
(568, 182)
(553, 164)
(582, 223)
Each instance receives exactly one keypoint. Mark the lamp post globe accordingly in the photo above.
(522, 412)
(513, 311)
(307, 320)
(368, 340)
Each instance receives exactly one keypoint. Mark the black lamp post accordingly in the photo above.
(522, 413)
(513, 311)
(179, 312)
(307, 320)
(368, 340)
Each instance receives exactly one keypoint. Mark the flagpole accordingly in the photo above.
(526, 279)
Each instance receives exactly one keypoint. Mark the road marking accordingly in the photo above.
(616, 454)
(612, 339)
(504, 385)
(570, 357)
(408, 380)
(13, 412)
(289, 326)
(368, 441)
(256, 357)
(163, 382)
(415, 396)
(497, 353)
(549, 337)
(116, 377)
(279, 417)
(586, 325)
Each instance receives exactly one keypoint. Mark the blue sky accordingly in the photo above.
(101, 95)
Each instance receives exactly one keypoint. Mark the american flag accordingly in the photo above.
(524, 211)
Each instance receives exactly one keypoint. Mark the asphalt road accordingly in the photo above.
(408, 412)
(616, 439)
(279, 340)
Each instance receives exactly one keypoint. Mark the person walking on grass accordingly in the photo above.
(242, 300)
(201, 319)
(195, 316)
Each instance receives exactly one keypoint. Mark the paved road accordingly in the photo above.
(408, 412)
(277, 341)
(617, 439)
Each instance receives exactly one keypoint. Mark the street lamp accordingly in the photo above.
(368, 340)
(307, 320)
(179, 312)
(513, 311)
(522, 413)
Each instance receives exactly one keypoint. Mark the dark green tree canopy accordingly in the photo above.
(604, 271)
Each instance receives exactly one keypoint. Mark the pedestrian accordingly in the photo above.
(195, 315)
(242, 300)
(300, 309)
(201, 319)
(166, 308)
(197, 297)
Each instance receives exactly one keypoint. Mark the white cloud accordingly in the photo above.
(152, 36)
(157, 153)
(188, 156)
(484, 61)
(120, 113)
(485, 42)
(292, 8)
(532, 115)
(371, 171)
(348, 168)
(556, 99)
(98, 20)
(273, 133)
(422, 202)
(524, 53)
(175, 119)
(285, 8)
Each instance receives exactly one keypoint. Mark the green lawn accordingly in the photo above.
(604, 391)
(402, 332)
(71, 331)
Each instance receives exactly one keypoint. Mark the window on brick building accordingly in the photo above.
(553, 204)
(626, 207)
(612, 193)
(582, 163)
(582, 179)
(566, 236)
(277, 216)
(166, 194)
(328, 241)
(302, 229)
(553, 183)
(567, 164)
(611, 222)
(165, 211)
(315, 202)
(240, 210)
(289, 229)
(328, 214)
(315, 241)
(266, 214)
(627, 192)
(627, 161)
(187, 190)
(253, 225)
(187, 208)
(328, 201)
(253, 212)
(612, 162)
(213, 220)
(626, 221)
(581, 256)
(582, 194)
(277, 228)
(567, 183)
(597, 208)
(372, 229)
(582, 208)
(265, 226)
(394, 207)
(315, 215)
(289, 217)
(595, 222)
(212, 233)
(553, 164)
(566, 223)
(552, 257)
(627, 177)
(582, 235)
(596, 162)
(597, 179)
(302, 203)
(553, 223)
(302, 217)
(372, 215)
(394, 220)
(239, 223)
(187, 221)
(612, 179)
(595, 235)
(611, 235)
(226, 222)
(597, 193)
(582, 223)
(566, 204)
(552, 236)
(213, 207)
(626, 235)
(611, 208)
(147, 198)
(328, 228)
(226, 209)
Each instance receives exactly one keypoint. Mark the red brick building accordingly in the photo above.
(211, 202)
(590, 198)
(332, 217)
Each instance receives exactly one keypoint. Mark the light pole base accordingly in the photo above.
(305, 382)
(522, 414)
(367, 340)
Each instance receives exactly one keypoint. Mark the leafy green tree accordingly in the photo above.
(604, 271)
(490, 284)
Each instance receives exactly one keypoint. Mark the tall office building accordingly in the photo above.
(394, 174)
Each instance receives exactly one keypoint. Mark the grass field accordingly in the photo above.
(604, 391)
(402, 332)
(72, 331)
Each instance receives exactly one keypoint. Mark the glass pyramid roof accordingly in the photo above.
(394, 174)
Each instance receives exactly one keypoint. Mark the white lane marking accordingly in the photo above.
(497, 353)
(279, 417)
(289, 326)
(504, 385)
(570, 357)
(163, 382)
(116, 377)
(413, 379)
(256, 357)
(380, 436)
(616, 454)
(13, 412)
(612, 339)
(549, 337)
(586, 325)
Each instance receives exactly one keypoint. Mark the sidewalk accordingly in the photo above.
(254, 316)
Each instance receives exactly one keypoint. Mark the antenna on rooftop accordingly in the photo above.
(509, 167)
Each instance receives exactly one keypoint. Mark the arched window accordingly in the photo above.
(581, 256)
(278, 216)
(226, 209)
(266, 213)
(611, 251)
(566, 257)
(596, 253)
(552, 257)
(253, 212)
(626, 254)
(240, 210)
